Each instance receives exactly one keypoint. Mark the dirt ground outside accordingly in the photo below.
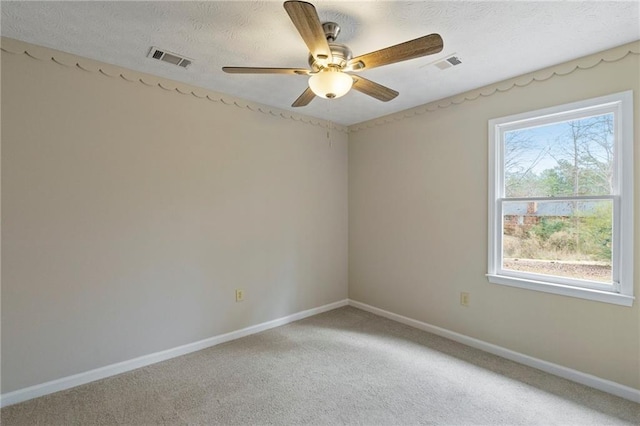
(582, 270)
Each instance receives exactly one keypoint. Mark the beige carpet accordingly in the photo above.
(342, 367)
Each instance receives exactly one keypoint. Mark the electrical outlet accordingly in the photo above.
(464, 299)
(239, 295)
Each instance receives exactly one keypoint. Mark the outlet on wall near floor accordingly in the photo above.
(464, 299)
(239, 295)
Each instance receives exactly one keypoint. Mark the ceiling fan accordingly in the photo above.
(331, 64)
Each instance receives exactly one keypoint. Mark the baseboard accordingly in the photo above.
(57, 385)
(548, 367)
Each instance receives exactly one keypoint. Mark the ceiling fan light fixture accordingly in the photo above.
(330, 83)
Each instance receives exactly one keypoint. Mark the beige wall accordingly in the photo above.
(131, 214)
(418, 230)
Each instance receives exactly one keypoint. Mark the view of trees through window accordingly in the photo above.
(565, 237)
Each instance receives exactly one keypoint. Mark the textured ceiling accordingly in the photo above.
(494, 40)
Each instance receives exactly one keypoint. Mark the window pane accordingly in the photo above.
(567, 158)
(562, 238)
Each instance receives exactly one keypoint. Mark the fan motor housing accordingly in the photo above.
(340, 55)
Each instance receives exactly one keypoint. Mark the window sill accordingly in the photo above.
(581, 293)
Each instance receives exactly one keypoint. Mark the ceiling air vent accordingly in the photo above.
(451, 61)
(169, 57)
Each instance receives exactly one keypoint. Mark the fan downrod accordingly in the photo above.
(331, 31)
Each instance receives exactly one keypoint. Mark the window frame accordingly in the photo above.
(621, 292)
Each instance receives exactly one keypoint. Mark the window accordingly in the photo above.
(561, 200)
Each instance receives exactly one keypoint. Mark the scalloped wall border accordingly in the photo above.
(612, 55)
(40, 53)
(68, 60)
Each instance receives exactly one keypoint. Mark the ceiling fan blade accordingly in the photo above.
(256, 70)
(305, 18)
(304, 99)
(422, 46)
(373, 89)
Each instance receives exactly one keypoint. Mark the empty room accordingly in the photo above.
(337, 212)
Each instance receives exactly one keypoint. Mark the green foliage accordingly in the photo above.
(548, 226)
(595, 232)
(522, 185)
(554, 182)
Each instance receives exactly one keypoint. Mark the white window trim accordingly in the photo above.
(622, 105)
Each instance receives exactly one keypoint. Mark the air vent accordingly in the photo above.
(169, 57)
(454, 60)
(451, 61)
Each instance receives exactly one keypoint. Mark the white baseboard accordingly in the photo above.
(555, 369)
(63, 383)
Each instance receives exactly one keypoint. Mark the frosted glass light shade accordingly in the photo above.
(330, 84)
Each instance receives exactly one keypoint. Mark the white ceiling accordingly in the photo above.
(494, 40)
